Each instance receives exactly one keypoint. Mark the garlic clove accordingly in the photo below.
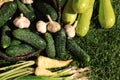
(41, 26)
(21, 22)
(27, 1)
(70, 29)
(53, 26)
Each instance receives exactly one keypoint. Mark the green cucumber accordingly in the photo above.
(15, 42)
(28, 11)
(60, 43)
(77, 51)
(30, 37)
(50, 47)
(5, 39)
(18, 50)
(7, 11)
(45, 8)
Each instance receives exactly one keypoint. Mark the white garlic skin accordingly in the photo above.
(21, 22)
(70, 30)
(41, 26)
(27, 1)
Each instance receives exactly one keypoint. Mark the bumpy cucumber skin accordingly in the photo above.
(5, 39)
(77, 51)
(30, 37)
(19, 50)
(45, 9)
(60, 43)
(28, 11)
(68, 14)
(80, 6)
(84, 20)
(50, 47)
(106, 14)
(7, 11)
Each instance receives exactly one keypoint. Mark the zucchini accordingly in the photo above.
(106, 14)
(30, 37)
(7, 11)
(77, 51)
(80, 6)
(50, 47)
(18, 50)
(68, 14)
(15, 42)
(60, 43)
(84, 20)
(28, 11)
(45, 9)
(5, 39)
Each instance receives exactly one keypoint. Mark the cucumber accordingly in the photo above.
(45, 8)
(50, 47)
(18, 50)
(5, 39)
(77, 51)
(68, 14)
(30, 37)
(15, 42)
(28, 11)
(60, 43)
(7, 11)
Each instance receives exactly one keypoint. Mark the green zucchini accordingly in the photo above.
(15, 42)
(28, 11)
(7, 11)
(50, 47)
(60, 43)
(77, 51)
(68, 14)
(45, 8)
(18, 50)
(30, 37)
(5, 39)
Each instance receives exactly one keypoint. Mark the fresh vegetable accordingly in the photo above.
(4, 1)
(5, 39)
(41, 26)
(84, 20)
(21, 21)
(77, 51)
(27, 1)
(30, 37)
(18, 50)
(45, 9)
(15, 42)
(80, 6)
(68, 15)
(70, 29)
(25, 10)
(106, 14)
(53, 26)
(50, 47)
(60, 43)
(46, 62)
(6, 12)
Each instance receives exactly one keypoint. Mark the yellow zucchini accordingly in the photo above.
(106, 14)
(80, 6)
(68, 15)
(84, 20)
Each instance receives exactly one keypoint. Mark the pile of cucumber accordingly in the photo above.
(15, 42)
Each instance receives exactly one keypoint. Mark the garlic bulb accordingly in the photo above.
(41, 26)
(27, 1)
(53, 26)
(21, 22)
(70, 30)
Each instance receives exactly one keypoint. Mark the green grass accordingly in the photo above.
(103, 45)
